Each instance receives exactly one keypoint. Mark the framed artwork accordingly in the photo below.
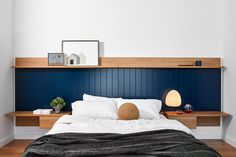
(81, 52)
(56, 59)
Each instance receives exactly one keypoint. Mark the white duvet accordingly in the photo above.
(69, 123)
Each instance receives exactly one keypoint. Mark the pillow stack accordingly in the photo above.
(114, 108)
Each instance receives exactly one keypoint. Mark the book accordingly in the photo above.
(43, 111)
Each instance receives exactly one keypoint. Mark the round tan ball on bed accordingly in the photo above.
(128, 111)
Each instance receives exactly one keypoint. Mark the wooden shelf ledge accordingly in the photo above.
(27, 118)
(199, 114)
(30, 114)
(198, 118)
(100, 67)
(126, 62)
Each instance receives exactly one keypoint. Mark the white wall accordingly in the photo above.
(127, 27)
(6, 81)
(229, 47)
(170, 28)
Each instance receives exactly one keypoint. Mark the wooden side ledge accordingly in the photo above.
(30, 114)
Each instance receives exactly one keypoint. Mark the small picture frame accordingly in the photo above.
(56, 59)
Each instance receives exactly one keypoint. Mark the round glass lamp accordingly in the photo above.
(173, 99)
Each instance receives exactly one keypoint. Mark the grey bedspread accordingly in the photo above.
(162, 143)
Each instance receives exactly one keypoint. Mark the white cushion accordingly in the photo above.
(148, 108)
(95, 109)
(87, 97)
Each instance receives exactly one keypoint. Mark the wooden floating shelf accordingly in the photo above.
(100, 67)
(125, 62)
(27, 118)
(30, 114)
(198, 118)
(200, 114)
(55, 67)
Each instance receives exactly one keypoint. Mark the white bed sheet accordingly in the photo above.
(69, 123)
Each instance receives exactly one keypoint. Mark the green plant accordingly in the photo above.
(58, 103)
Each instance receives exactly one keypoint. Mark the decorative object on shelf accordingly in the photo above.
(42, 111)
(73, 59)
(173, 99)
(58, 104)
(86, 50)
(82, 58)
(198, 63)
(188, 108)
(56, 59)
(186, 65)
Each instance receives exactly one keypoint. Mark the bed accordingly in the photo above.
(74, 136)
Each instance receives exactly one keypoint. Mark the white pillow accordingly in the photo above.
(87, 97)
(148, 108)
(95, 109)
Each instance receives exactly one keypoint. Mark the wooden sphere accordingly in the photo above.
(128, 111)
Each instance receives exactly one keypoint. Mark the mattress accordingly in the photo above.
(74, 124)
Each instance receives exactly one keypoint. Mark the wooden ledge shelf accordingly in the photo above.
(125, 62)
(198, 118)
(30, 114)
(100, 67)
(199, 114)
(27, 118)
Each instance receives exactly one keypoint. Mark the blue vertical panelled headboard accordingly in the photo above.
(35, 88)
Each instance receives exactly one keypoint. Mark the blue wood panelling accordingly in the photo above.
(35, 88)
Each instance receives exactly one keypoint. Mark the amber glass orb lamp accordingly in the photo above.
(173, 99)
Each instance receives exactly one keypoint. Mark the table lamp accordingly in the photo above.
(173, 99)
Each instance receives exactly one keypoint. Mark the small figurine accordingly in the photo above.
(188, 108)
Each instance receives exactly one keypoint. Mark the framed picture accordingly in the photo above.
(81, 52)
(56, 59)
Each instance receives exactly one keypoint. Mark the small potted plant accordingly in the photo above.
(58, 104)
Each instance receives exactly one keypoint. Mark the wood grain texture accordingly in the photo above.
(198, 114)
(27, 118)
(198, 118)
(27, 121)
(156, 62)
(31, 62)
(47, 122)
(126, 62)
(208, 121)
(16, 148)
(30, 114)
(190, 122)
(222, 147)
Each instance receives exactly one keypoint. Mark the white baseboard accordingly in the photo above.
(230, 141)
(29, 132)
(6, 140)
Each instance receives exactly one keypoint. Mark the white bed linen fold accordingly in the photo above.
(69, 123)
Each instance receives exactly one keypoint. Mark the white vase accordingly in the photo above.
(57, 109)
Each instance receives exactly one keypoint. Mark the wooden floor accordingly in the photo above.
(16, 147)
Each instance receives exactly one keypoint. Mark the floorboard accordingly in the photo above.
(222, 147)
(16, 148)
